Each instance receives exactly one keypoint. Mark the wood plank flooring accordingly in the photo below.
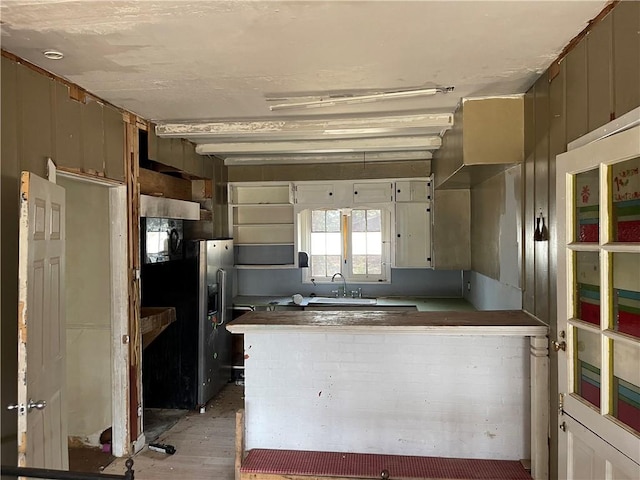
(205, 444)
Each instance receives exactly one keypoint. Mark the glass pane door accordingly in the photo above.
(599, 289)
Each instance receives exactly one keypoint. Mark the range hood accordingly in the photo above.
(160, 207)
(487, 138)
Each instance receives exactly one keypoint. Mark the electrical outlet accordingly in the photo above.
(468, 286)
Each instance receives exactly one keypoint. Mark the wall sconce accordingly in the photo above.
(540, 232)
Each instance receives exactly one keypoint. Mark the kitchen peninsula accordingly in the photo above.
(448, 384)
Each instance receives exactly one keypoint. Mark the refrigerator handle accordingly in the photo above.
(222, 282)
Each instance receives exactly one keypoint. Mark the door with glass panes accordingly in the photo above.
(598, 205)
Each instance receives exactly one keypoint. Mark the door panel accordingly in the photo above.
(42, 433)
(598, 191)
(594, 459)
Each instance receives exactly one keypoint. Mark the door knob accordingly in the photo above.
(560, 346)
(37, 404)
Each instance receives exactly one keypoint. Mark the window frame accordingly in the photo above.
(304, 240)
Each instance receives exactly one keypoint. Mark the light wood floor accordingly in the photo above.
(205, 444)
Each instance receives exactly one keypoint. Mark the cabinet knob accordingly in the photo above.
(355, 193)
(398, 235)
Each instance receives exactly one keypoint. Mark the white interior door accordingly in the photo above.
(42, 434)
(598, 195)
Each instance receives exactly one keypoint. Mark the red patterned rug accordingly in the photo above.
(365, 465)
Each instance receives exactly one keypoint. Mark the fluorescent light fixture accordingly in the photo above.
(306, 159)
(331, 101)
(342, 145)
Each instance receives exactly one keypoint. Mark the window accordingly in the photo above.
(353, 242)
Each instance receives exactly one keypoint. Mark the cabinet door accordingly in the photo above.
(378, 192)
(413, 235)
(413, 191)
(315, 194)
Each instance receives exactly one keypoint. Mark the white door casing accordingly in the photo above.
(586, 419)
(42, 432)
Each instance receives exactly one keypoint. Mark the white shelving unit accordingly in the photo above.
(263, 224)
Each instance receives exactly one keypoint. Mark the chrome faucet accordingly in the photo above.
(344, 291)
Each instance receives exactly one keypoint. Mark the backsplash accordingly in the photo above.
(404, 282)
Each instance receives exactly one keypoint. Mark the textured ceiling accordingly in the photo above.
(217, 61)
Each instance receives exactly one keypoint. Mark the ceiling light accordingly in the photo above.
(53, 54)
(348, 100)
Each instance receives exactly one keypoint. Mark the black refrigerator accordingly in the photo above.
(190, 361)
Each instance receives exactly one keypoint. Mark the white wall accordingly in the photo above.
(88, 298)
(388, 393)
(495, 279)
(485, 293)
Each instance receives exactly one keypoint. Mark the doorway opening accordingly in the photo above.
(96, 317)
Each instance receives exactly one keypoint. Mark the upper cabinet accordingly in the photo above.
(413, 191)
(314, 194)
(413, 235)
(487, 138)
(372, 192)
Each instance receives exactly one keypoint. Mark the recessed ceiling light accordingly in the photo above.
(53, 54)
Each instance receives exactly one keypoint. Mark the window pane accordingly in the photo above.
(358, 221)
(318, 223)
(334, 243)
(318, 266)
(374, 264)
(318, 244)
(333, 264)
(333, 220)
(626, 384)
(625, 191)
(373, 220)
(626, 294)
(587, 366)
(587, 204)
(359, 264)
(587, 293)
(374, 243)
(359, 243)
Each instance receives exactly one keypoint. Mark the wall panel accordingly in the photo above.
(93, 150)
(576, 93)
(35, 112)
(557, 145)
(528, 287)
(67, 128)
(626, 57)
(330, 171)
(599, 73)
(541, 196)
(487, 206)
(114, 149)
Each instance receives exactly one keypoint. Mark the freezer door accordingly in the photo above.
(215, 341)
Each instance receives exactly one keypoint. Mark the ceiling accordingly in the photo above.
(211, 71)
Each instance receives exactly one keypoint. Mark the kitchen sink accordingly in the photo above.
(342, 301)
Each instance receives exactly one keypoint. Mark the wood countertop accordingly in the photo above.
(499, 322)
